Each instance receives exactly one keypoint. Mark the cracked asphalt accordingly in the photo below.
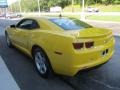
(106, 77)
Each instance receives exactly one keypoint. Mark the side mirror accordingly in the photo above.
(12, 26)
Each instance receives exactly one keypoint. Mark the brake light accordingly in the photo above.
(78, 45)
(89, 44)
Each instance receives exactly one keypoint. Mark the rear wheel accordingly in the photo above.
(41, 62)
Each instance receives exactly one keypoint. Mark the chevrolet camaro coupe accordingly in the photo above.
(60, 44)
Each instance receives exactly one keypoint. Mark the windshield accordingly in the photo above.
(70, 23)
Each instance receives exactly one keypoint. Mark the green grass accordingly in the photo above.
(77, 8)
(108, 8)
(102, 8)
(104, 18)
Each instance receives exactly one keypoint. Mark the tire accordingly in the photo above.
(42, 63)
(8, 41)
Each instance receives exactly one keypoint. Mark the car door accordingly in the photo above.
(24, 30)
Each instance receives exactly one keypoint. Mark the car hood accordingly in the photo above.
(89, 32)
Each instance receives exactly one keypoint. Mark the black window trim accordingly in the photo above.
(23, 20)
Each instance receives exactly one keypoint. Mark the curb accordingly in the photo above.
(7, 82)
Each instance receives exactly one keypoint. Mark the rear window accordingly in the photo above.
(70, 23)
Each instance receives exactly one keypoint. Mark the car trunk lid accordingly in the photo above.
(90, 33)
(99, 36)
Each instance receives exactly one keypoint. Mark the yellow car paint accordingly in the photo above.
(58, 45)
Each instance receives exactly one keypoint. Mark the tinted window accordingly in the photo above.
(70, 23)
(28, 24)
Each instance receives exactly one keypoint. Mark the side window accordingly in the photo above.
(28, 24)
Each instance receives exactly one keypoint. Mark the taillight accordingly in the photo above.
(78, 45)
(89, 44)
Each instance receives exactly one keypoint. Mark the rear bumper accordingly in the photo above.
(75, 69)
(86, 59)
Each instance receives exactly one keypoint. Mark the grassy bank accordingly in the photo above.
(102, 8)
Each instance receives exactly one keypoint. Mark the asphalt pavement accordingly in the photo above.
(114, 26)
(106, 77)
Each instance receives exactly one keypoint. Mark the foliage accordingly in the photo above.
(32, 5)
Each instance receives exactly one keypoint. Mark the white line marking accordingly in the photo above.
(105, 84)
(7, 81)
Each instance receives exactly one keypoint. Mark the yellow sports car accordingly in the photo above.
(60, 44)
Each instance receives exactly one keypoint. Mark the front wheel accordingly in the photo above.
(41, 63)
(9, 44)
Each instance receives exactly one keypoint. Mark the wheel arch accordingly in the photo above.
(38, 46)
(6, 33)
(34, 47)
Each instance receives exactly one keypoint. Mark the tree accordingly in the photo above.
(63, 3)
(31, 5)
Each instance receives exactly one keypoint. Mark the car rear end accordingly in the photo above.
(90, 51)
(88, 48)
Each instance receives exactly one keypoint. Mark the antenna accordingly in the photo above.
(60, 15)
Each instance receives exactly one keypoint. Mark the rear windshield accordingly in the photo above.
(70, 23)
